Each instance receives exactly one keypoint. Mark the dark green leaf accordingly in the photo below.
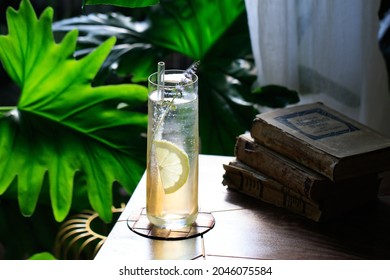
(133, 56)
(191, 27)
(226, 75)
(274, 96)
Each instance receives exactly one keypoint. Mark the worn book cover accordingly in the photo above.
(324, 140)
(247, 181)
(292, 174)
(240, 177)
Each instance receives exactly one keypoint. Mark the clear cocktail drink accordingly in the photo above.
(172, 150)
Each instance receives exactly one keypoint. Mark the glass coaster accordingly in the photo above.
(138, 223)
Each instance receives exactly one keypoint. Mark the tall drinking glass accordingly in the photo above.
(172, 149)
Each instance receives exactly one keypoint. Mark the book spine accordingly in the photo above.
(293, 148)
(311, 185)
(268, 192)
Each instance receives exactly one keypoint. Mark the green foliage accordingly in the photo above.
(215, 32)
(191, 27)
(65, 135)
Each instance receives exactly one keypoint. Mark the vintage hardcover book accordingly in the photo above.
(247, 181)
(291, 174)
(240, 177)
(324, 140)
(287, 172)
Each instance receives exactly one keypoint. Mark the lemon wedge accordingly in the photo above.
(173, 165)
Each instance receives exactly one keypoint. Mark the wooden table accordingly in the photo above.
(247, 228)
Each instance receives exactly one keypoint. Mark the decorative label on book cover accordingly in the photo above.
(325, 129)
(316, 123)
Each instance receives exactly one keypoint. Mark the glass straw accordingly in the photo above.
(160, 80)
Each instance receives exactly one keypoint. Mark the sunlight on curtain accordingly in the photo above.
(327, 50)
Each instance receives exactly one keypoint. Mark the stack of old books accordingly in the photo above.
(310, 160)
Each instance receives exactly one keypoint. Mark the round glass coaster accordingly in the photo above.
(138, 223)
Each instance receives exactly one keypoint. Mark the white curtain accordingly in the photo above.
(325, 49)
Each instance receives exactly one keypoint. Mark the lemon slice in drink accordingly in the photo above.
(173, 165)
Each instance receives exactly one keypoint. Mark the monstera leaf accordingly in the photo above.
(187, 27)
(214, 32)
(65, 136)
(192, 27)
